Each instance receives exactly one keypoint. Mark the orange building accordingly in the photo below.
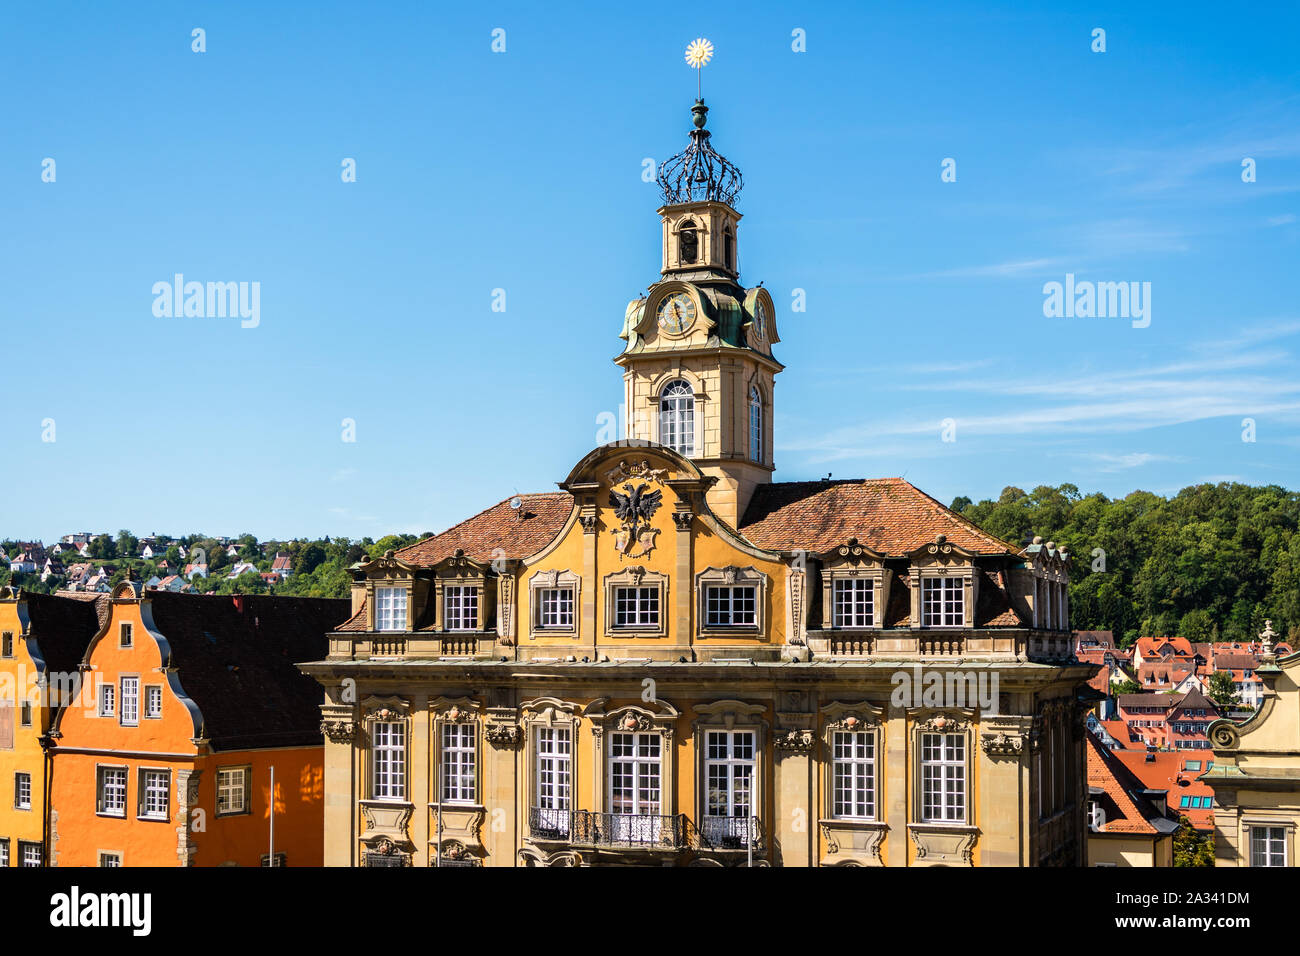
(42, 641)
(196, 702)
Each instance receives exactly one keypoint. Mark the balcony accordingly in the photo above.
(616, 830)
(730, 833)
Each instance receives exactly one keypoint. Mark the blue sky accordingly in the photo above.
(522, 171)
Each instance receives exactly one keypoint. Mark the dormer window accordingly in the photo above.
(943, 602)
(729, 248)
(390, 609)
(462, 608)
(688, 243)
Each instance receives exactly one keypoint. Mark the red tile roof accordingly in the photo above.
(888, 515)
(498, 532)
(1127, 813)
(1164, 770)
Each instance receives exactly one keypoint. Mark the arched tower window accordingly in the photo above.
(729, 248)
(677, 417)
(755, 425)
(688, 242)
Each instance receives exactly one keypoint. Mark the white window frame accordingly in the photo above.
(461, 607)
(388, 760)
(737, 773)
(125, 635)
(677, 417)
(724, 607)
(944, 778)
(102, 805)
(1273, 852)
(22, 790)
(110, 858)
(390, 608)
(107, 700)
(30, 854)
(642, 774)
(848, 607)
(155, 801)
(233, 787)
(458, 756)
(553, 775)
(636, 607)
(938, 606)
(4, 851)
(129, 707)
(555, 608)
(755, 424)
(153, 701)
(853, 775)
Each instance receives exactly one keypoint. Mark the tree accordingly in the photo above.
(1222, 691)
(128, 545)
(1198, 627)
(1126, 687)
(309, 559)
(1191, 846)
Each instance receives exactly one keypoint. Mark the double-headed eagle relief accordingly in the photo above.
(634, 507)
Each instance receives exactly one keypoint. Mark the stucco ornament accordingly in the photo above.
(635, 538)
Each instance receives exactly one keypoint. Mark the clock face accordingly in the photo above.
(677, 313)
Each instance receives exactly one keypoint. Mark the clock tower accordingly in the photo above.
(697, 361)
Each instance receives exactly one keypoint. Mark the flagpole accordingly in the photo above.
(270, 859)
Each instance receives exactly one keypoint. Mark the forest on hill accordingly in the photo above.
(1211, 563)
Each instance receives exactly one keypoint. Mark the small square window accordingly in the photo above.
(109, 859)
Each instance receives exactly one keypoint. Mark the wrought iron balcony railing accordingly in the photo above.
(545, 823)
(586, 828)
(730, 833)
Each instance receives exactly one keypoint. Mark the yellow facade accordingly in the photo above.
(675, 660)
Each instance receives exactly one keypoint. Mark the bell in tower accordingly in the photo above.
(698, 368)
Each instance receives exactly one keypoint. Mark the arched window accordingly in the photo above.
(729, 248)
(688, 242)
(755, 425)
(677, 417)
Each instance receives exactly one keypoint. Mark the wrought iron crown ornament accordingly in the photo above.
(699, 173)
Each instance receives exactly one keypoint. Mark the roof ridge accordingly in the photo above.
(528, 494)
(962, 521)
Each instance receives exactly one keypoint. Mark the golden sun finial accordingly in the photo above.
(698, 53)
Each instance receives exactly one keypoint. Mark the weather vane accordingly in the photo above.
(698, 53)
